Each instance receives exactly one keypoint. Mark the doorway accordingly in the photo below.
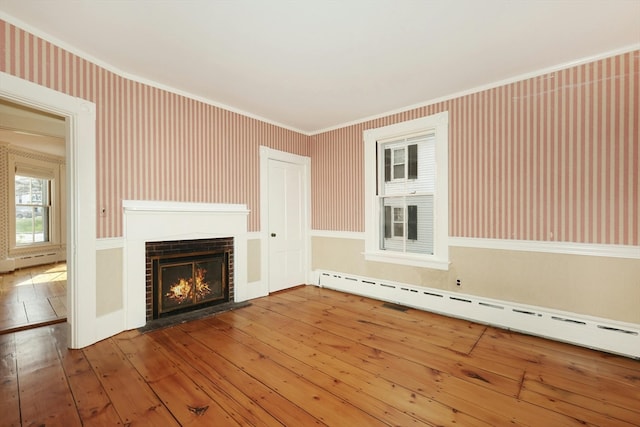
(80, 133)
(33, 287)
(285, 212)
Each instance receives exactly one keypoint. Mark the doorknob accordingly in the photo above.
(273, 234)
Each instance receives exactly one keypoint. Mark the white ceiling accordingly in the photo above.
(316, 64)
(32, 129)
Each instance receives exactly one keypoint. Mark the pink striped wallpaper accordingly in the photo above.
(551, 158)
(152, 144)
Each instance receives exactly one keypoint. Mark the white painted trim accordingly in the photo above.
(593, 332)
(80, 117)
(254, 235)
(109, 243)
(145, 221)
(566, 248)
(440, 259)
(267, 154)
(356, 235)
(254, 290)
(110, 324)
(165, 206)
(488, 86)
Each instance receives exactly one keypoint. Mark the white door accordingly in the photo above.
(286, 228)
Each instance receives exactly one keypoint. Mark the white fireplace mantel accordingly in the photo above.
(146, 221)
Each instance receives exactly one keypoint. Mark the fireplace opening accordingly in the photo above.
(187, 281)
(187, 275)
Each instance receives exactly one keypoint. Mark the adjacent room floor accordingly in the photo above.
(32, 297)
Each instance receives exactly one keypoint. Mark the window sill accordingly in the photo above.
(424, 261)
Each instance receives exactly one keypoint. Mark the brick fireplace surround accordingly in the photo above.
(201, 246)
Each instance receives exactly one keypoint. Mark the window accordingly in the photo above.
(36, 199)
(32, 209)
(406, 187)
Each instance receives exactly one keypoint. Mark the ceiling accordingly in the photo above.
(32, 129)
(312, 65)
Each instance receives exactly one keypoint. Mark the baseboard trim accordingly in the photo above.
(108, 325)
(596, 333)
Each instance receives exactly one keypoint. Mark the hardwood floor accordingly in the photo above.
(311, 356)
(32, 297)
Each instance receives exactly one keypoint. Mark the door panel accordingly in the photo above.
(286, 225)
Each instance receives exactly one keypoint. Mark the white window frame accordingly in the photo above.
(50, 170)
(438, 123)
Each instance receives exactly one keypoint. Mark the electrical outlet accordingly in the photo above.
(458, 282)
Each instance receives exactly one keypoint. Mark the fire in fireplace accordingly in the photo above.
(188, 274)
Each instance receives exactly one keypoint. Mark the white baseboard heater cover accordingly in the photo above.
(601, 334)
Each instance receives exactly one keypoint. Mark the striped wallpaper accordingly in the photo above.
(152, 144)
(550, 158)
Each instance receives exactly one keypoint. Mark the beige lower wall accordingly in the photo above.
(253, 260)
(589, 285)
(109, 265)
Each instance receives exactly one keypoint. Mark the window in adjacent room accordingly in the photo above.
(406, 184)
(35, 201)
(32, 208)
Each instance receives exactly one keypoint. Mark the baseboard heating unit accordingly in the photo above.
(592, 332)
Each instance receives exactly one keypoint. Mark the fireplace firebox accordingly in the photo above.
(187, 275)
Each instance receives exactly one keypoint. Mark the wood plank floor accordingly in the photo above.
(311, 356)
(33, 296)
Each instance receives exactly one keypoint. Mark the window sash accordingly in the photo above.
(34, 215)
(413, 230)
(437, 127)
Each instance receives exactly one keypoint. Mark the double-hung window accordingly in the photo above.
(36, 197)
(33, 204)
(406, 186)
(406, 193)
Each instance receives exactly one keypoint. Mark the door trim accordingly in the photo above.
(80, 117)
(267, 154)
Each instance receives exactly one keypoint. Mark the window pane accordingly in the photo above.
(408, 196)
(419, 237)
(398, 163)
(398, 214)
(392, 239)
(32, 210)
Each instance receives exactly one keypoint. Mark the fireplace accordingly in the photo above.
(186, 275)
(152, 221)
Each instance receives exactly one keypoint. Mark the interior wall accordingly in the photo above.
(254, 255)
(553, 158)
(549, 158)
(11, 259)
(605, 287)
(109, 280)
(152, 144)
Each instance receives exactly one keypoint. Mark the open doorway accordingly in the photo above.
(80, 204)
(33, 253)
